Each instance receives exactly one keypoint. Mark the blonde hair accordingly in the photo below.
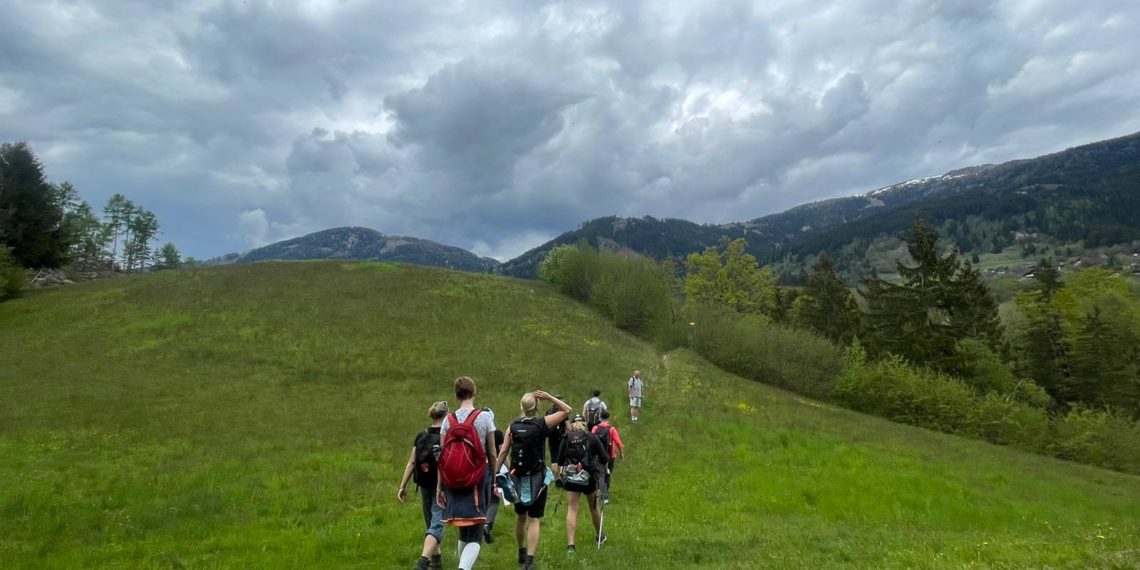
(438, 410)
(529, 404)
(577, 426)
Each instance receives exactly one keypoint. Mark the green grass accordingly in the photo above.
(260, 417)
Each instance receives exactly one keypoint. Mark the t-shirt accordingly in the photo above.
(484, 424)
(600, 402)
(635, 386)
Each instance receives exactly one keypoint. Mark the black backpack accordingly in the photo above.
(528, 439)
(578, 448)
(427, 445)
(605, 435)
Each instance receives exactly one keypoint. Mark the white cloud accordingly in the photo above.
(253, 227)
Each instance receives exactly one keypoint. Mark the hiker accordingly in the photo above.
(496, 495)
(615, 449)
(580, 457)
(636, 388)
(467, 448)
(422, 469)
(592, 409)
(529, 477)
(554, 437)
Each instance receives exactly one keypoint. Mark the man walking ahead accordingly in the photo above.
(636, 387)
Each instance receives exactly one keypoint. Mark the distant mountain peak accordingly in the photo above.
(360, 243)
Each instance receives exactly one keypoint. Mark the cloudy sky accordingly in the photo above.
(495, 125)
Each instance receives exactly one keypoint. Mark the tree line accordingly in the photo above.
(48, 225)
(1056, 372)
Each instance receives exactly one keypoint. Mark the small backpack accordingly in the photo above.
(576, 471)
(527, 441)
(426, 474)
(593, 412)
(605, 435)
(463, 460)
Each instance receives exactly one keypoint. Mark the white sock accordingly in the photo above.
(469, 555)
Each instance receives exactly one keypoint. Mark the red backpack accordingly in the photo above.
(462, 462)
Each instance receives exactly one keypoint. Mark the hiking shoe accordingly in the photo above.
(602, 539)
(570, 550)
(422, 564)
(436, 563)
(487, 535)
(522, 556)
(605, 501)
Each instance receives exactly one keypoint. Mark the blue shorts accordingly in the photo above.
(433, 515)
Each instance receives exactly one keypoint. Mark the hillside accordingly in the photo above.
(260, 415)
(366, 244)
(1087, 196)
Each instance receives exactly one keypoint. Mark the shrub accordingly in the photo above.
(895, 390)
(750, 346)
(11, 275)
(570, 268)
(1097, 437)
(1006, 421)
(633, 292)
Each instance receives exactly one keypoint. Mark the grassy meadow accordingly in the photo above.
(260, 416)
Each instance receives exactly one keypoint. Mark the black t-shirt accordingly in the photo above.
(536, 444)
(554, 440)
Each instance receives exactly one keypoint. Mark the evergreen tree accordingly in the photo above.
(939, 303)
(30, 218)
(143, 228)
(827, 305)
(171, 258)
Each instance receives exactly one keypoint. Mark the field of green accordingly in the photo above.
(260, 416)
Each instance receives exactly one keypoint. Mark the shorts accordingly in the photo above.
(536, 509)
(635, 402)
(588, 488)
(433, 515)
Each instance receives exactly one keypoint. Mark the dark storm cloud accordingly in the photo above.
(496, 125)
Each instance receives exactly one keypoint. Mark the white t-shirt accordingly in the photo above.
(635, 386)
(484, 424)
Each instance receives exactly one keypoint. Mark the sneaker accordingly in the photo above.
(570, 550)
(605, 501)
(602, 539)
(422, 564)
(436, 563)
(522, 556)
(487, 534)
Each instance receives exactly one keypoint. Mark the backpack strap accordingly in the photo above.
(471, 417)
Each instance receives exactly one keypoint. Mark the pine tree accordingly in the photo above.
(939, 303)
(171, 258)
(30, 219)
(117, 211)
(827, 305)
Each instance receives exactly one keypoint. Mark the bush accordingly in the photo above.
(895, 390)
(750, 346)
(11, 275)
(1006, 421)
(1097, 437)
(633, 292)
(570, 268)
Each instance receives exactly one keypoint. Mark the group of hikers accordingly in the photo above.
(464, 468)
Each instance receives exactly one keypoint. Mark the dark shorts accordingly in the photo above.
(589, 488)
(536, 509)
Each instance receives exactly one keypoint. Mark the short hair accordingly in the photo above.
(529, 404)
(605, 414)
(597, 392)
(438, 410)
(464, 388)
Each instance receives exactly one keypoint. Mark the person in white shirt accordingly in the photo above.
(636, 388)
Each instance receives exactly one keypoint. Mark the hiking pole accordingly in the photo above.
(601, 515)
